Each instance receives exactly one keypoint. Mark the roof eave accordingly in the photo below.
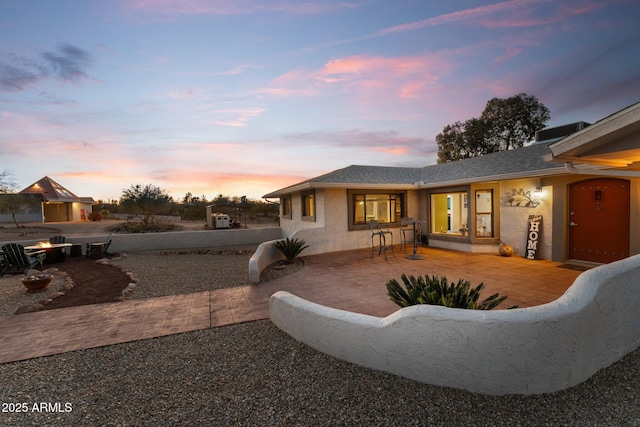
(501, 177)
(416, 186)
(359, 185)
(584, 145)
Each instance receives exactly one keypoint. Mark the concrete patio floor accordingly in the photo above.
(349, 280)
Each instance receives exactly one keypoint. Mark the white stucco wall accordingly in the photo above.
(523, 351)
(177, 239)
(513, 219)
(76, 211)
(330, 232)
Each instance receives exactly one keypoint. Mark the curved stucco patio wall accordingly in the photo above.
(523, 351)
(267, 254)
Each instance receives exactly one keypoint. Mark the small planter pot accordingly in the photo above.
(36, 283)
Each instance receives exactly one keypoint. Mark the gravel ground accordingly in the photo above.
(13, 294)
(163, 273)
(253, 374)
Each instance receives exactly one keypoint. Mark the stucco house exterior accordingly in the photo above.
(578, 194)
(54, 203)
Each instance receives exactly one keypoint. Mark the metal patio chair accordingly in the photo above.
(380, 231)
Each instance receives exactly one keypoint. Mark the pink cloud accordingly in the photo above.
(549, 15)
(511, 53)
(460, 16)
(180, 181)
(395, 77)
(396, 151)
(236, 117)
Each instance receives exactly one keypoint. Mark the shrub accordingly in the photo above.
(435, 291)
(95, 216)
(140, 227)
(291, 249)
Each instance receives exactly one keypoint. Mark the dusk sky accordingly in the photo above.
(243, 97)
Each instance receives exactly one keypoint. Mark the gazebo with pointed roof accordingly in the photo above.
(58, 203)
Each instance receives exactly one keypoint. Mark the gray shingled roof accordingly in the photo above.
(371, 175)
(522, 161)
(525, 161)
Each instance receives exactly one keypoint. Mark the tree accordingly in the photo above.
(12, 202)
(6, 184)
(461, 141)
(504, 124)
(145, 202)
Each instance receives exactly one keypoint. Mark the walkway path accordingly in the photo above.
(348, 280)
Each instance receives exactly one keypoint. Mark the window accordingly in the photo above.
(285, 201)
(449, 213)
(484, 213)
(308, 205)
(384, 208)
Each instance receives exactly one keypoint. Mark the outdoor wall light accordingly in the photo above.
(537, 192)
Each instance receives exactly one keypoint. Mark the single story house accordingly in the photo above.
(54, 203)
(572, 196)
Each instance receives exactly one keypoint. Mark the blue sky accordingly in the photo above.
(245, 97)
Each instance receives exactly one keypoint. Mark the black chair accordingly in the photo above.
(104, 248)
(57, 239)
(15, 257)
(381, 232)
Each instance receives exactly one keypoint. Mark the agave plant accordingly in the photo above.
(435, 291)
(291, 249)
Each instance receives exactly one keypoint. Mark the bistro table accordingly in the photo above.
(55, 251)
(413, 222)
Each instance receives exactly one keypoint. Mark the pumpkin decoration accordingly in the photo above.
(505, 250)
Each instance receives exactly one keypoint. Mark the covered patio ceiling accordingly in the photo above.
(612, 142)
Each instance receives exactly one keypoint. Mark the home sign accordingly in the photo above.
(534, 233)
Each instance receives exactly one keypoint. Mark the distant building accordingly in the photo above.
(56, 204)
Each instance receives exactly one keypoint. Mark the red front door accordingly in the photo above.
(599, 220)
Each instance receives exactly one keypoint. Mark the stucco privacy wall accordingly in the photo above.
(523, 351)
(179, 239)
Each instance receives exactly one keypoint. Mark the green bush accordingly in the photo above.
(291, 249)
(140, 227)
(435, 291)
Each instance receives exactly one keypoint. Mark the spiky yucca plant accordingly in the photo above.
(291, 249)
(435, 291)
